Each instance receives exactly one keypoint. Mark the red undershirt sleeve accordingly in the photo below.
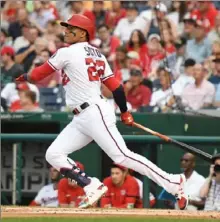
(111, 83)
(41, 72)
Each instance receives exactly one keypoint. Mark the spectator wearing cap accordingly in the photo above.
(189, 26)
(27, 55)
(154, 38)
(10, 70)
(15, 28)
(180, 45)
(214, 34)
(206, 11)
(48, 195)
(185, 78)
(128, 24)
(215, 80)
(10, 94)
(69, 193)
(40, 15)
(199, 48)
(108, 44)
(199, 94)
(210, 190)
(137, 94)
(123, 189)
(114, 15)
(138, 44)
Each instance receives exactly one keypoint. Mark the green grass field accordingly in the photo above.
(110, 219)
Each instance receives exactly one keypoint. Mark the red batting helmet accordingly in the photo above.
(82, 22)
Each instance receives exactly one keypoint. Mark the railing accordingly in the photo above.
(17, 139)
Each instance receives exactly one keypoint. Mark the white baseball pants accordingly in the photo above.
(98, 123)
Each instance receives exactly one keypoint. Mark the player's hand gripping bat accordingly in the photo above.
(184, 146)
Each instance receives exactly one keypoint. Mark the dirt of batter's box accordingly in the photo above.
(21, 212)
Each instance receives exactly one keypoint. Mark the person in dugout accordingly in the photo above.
(123, 190)
(69, 193)
(47, 195)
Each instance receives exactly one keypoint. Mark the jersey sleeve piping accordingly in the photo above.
(52, 66)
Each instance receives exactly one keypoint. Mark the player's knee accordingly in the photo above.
(118, 158)
(50, 156)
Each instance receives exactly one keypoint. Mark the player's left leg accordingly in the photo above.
(68, 141)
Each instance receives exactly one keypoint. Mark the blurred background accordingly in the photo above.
(167, 56)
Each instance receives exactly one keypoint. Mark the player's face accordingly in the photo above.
(73, 35)
(54, 174)
(117, 176)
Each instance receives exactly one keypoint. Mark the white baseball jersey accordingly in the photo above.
(47, 196)
(83, 67)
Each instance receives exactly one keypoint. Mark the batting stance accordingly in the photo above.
(84, 69)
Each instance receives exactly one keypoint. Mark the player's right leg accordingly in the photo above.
(107, 136)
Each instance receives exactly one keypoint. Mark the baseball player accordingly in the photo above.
(84, 68)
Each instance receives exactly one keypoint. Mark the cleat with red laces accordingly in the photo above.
(182, 199)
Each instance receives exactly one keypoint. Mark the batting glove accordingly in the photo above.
(127, 118)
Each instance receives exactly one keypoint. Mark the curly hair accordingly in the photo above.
(141, 38)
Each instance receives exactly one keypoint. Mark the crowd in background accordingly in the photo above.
(126, 191)
(166, 54)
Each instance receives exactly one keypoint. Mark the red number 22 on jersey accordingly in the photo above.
(96, 69)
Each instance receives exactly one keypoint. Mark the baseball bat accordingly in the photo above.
(191, 149)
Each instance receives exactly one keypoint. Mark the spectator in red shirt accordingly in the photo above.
(117, 13)
(206, 11)
(123, 189)
(28, 102)
(137, 94)
(108, 43)
(69, 193)
(137, 43)
(168, 41)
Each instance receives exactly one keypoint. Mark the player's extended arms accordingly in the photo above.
(37, 74)
(119, 96)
